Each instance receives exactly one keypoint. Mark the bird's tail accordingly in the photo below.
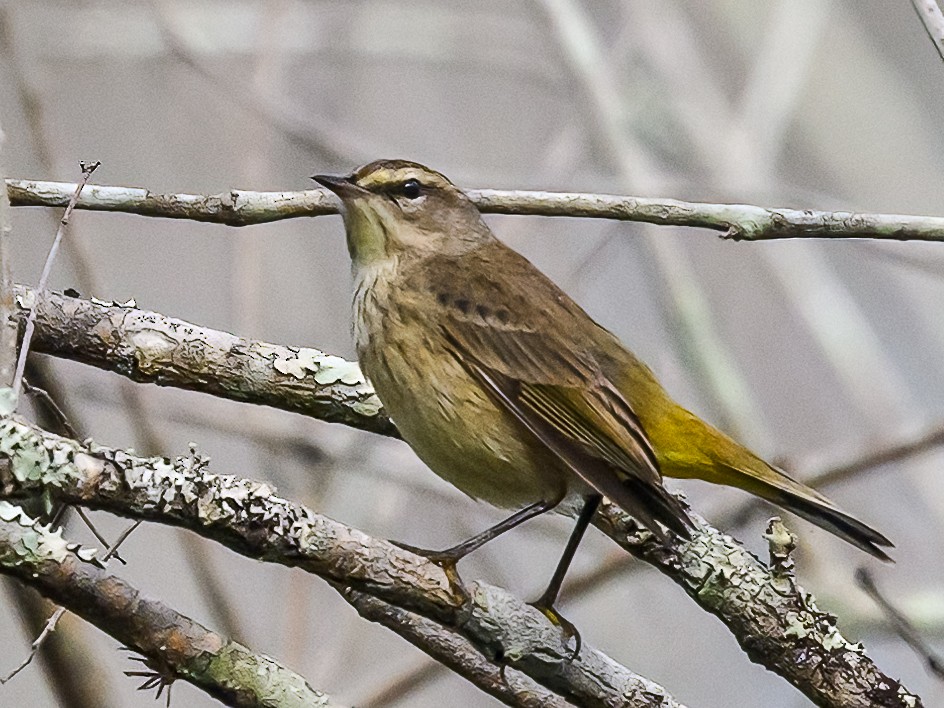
(777, 487)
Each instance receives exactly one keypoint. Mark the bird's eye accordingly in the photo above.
(411, 189)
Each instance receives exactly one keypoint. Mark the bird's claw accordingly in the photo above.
(568, 629)
(446, 560)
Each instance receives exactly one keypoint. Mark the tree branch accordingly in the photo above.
(174, 645)
(776, 622)
(455, 652)
(735, 221)
(149, 348)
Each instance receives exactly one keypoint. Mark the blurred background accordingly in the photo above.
(813, 353)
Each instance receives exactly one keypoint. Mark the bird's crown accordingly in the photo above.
(380, 174)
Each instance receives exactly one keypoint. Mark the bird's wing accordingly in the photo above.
(558, 393)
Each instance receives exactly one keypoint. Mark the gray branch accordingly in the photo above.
(250, 519)
(933, 20)
(173, 644)
(788, 636)
(455, 652)
(149, 348)
(776, 622)
(735, 221)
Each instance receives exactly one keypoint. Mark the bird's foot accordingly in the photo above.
(568, 629)
(446, 560)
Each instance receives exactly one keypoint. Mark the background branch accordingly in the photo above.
(933, 20)
(735, 221)
(7, 332)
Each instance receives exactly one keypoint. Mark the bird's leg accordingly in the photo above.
(453, 555)
(545, 603)
(448, 558)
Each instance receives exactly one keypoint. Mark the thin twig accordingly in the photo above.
(901, 624)
(112, 549)
(735, 221)
(54, 618)
(7, 307)
(87, 170)
(61, 418)
(933, 21)
(37, 643)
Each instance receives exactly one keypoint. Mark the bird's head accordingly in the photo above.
(393, 208)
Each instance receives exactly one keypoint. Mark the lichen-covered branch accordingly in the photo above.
(776, 622)
(735, 221)
(250, 519)
(172, 644)
(457, 653)
(150, 348)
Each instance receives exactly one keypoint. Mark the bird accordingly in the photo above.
(506, 388)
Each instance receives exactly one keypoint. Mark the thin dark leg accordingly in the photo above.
(590, 506)
(545, 603)
(454, 554)
(448, 558)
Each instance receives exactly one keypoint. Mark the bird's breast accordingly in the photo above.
(439, 409)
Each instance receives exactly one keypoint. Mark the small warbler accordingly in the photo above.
(506, 388)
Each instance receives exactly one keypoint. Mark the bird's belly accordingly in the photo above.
(456, 429)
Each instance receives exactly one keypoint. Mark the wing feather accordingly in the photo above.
(601, 442)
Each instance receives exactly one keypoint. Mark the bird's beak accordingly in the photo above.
(343, 186)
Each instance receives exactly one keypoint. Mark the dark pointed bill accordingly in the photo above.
(341, 185)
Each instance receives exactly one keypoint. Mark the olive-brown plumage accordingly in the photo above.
(506, 388)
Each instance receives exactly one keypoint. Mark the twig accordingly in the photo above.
(74, 670)
(61, 418)
(933, 21)
(735, 221)
(87, 170)
(113, 548)
(901, 624)
(8, 330)
(37, 643)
